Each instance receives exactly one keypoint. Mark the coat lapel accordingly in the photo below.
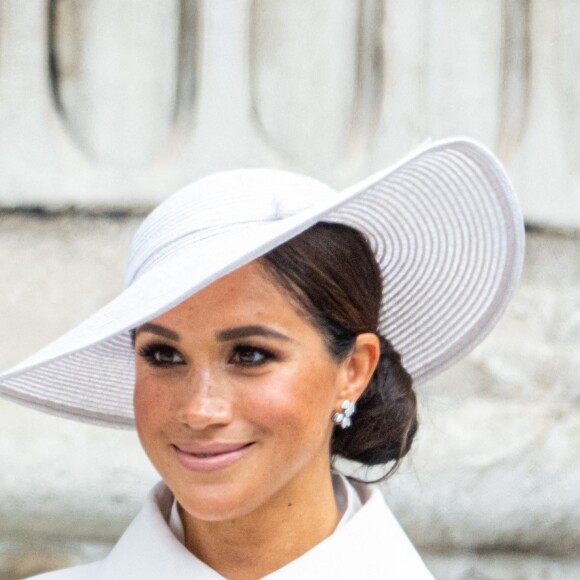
(148, 550)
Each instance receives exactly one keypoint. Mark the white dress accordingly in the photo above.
(368, 544)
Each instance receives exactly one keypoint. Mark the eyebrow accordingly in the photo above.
(233, 333)
(157, 329)
(246, 331)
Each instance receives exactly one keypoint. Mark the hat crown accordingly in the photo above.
(218, 203)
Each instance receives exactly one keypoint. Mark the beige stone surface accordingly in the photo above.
(65, 480)
(24, 559)
(127, 114)
(498, 566)
(491, 474)
(55, 272)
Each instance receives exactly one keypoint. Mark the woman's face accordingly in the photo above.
(233, 398)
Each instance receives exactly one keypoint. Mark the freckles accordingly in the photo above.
(148, 401)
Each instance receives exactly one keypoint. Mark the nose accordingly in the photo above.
(203, 403)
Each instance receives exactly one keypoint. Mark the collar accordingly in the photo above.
(371, 544)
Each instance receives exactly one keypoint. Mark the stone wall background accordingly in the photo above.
(107, 106)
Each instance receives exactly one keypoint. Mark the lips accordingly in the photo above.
(210, 456)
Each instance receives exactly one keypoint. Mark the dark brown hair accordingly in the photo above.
(332, 274)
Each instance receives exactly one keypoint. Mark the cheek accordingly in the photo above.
(296, 404)
(149, 405)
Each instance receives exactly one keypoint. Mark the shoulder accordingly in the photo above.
(84, 572)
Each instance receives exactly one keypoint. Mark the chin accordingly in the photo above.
(218, 504)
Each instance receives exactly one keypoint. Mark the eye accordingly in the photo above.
(161, 355)
(250, 356)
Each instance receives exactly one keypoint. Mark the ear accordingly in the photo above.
(358, 368)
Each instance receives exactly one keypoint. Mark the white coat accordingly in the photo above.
(371, 545)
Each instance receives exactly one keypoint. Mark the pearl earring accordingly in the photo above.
(343, 418)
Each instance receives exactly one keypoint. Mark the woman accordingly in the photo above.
(270, 325)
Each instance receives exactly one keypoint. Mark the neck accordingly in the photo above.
(294, 520)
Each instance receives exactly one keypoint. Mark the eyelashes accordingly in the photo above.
(162, 355)
(250, 356)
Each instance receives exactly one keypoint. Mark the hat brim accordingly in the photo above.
(447, 231)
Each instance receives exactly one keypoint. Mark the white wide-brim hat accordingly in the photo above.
(444, 224)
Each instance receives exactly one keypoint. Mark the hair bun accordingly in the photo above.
(386, 419)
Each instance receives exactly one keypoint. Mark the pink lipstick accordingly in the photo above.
(210, 456)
